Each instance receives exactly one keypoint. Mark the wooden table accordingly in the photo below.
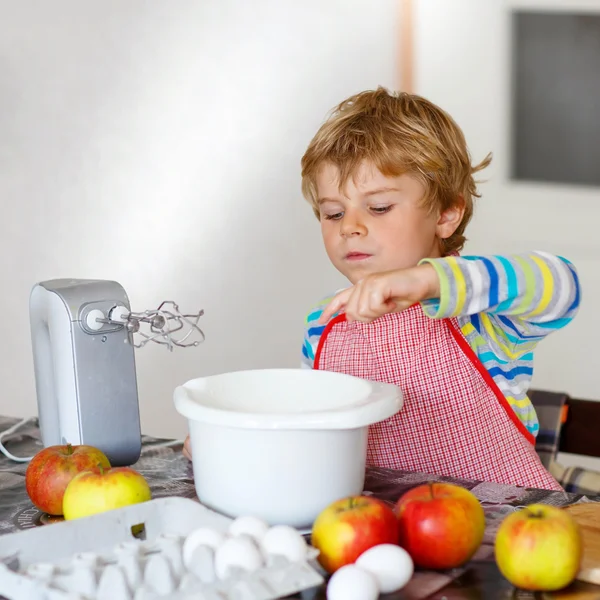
(170, 474)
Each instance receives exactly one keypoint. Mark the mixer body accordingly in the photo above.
(85, 373)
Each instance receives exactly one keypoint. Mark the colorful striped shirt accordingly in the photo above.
(504, 305)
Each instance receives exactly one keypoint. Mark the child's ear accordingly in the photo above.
(450, 219)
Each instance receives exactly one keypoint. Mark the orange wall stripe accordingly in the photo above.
(406, 44)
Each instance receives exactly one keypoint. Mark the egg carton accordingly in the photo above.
(145, 552)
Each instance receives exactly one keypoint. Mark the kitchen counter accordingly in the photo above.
(170, 474)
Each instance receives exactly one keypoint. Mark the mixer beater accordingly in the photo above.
(159, 320)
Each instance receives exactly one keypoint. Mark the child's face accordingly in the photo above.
(378, 223)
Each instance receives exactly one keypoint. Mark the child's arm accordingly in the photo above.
(515, 300)
(187, 447)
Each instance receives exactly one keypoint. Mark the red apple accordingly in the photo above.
(98, 490)
(348, 527)
(441, 525)
(539, 548)
(51, 470)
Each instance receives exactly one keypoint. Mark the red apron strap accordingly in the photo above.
(332, 323)
(472, 357)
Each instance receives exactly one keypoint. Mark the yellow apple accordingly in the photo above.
(539, 548)
(98, 490)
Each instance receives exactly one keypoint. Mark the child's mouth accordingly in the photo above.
(356, 256)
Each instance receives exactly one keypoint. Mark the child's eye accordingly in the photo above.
(381, 210)
(335, 217)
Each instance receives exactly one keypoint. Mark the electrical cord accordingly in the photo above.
(9, 431)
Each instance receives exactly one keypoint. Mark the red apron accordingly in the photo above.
(455, 420)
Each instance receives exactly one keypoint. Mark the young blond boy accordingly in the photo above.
(390, 179)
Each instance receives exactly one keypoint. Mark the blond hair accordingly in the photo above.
(399, 133)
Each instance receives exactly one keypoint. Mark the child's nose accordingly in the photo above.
(351, 225)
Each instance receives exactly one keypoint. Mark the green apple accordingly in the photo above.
(539, 548)
(98, 490)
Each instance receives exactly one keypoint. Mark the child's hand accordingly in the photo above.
(187, 448)
(382, 293)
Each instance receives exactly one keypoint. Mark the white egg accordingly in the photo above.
(249, 525)
(237, 552)
(390, 564)
(283, 540)
(352, 583)
(203, 536)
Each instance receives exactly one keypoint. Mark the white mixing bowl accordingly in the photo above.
(281, 444)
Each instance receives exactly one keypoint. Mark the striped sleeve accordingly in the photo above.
(515, 301)
(312, 333)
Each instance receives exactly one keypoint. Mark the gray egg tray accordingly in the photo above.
(135, 553)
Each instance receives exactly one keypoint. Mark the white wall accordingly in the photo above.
(158, 144)
(462, 63)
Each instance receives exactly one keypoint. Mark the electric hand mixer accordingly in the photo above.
(82, 334)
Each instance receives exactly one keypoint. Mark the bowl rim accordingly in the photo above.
(380, 401)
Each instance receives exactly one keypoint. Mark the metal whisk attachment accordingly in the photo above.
(164, 323)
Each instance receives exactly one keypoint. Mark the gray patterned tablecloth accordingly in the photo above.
(169, 473)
